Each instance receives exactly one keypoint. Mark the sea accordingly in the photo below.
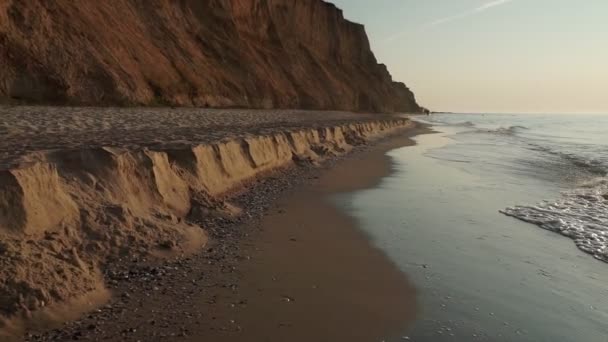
(501, 223)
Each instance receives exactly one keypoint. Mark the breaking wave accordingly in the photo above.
(580, 214)
(569, 152)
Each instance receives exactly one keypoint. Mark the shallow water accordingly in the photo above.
(481, 274)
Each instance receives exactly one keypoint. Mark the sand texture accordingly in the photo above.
(314, 275)
(67, 211)
(27, 129)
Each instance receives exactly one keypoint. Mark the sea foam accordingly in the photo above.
(580, 214)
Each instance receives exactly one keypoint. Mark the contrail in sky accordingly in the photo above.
(469, 12)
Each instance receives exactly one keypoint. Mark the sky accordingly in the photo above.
(494, 56)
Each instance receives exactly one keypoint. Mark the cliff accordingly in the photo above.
(215, 53)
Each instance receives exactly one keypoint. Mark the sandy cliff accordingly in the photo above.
(218, 53)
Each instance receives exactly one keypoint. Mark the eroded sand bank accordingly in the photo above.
(66, 213)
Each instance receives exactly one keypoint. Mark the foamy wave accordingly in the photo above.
(581, 215)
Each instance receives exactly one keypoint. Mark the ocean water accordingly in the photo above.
(571, 150)
(500, 221)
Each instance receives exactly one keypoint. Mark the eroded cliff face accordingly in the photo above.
(218, 53)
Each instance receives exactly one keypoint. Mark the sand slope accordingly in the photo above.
(65, 213)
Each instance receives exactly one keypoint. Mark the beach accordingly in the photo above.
(314, 275)
(302, 171)
(482, 275)
(189, 290)
(376, 232)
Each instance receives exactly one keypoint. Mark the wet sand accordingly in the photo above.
(314, 275)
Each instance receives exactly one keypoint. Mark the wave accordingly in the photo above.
(464, 124)
(511, 130)
(592, 165)
(580, 214)
(596, 182)
(434, 121)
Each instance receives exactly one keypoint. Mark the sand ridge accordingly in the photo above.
(64, 213)
(27, 129)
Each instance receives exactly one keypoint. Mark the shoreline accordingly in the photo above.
(482, 275)
(315, 275)
(131, 301)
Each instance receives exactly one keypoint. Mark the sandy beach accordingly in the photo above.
(303, 171)
(313, 275)
(173, 278)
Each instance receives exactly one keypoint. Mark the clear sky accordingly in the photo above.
(493, 55)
